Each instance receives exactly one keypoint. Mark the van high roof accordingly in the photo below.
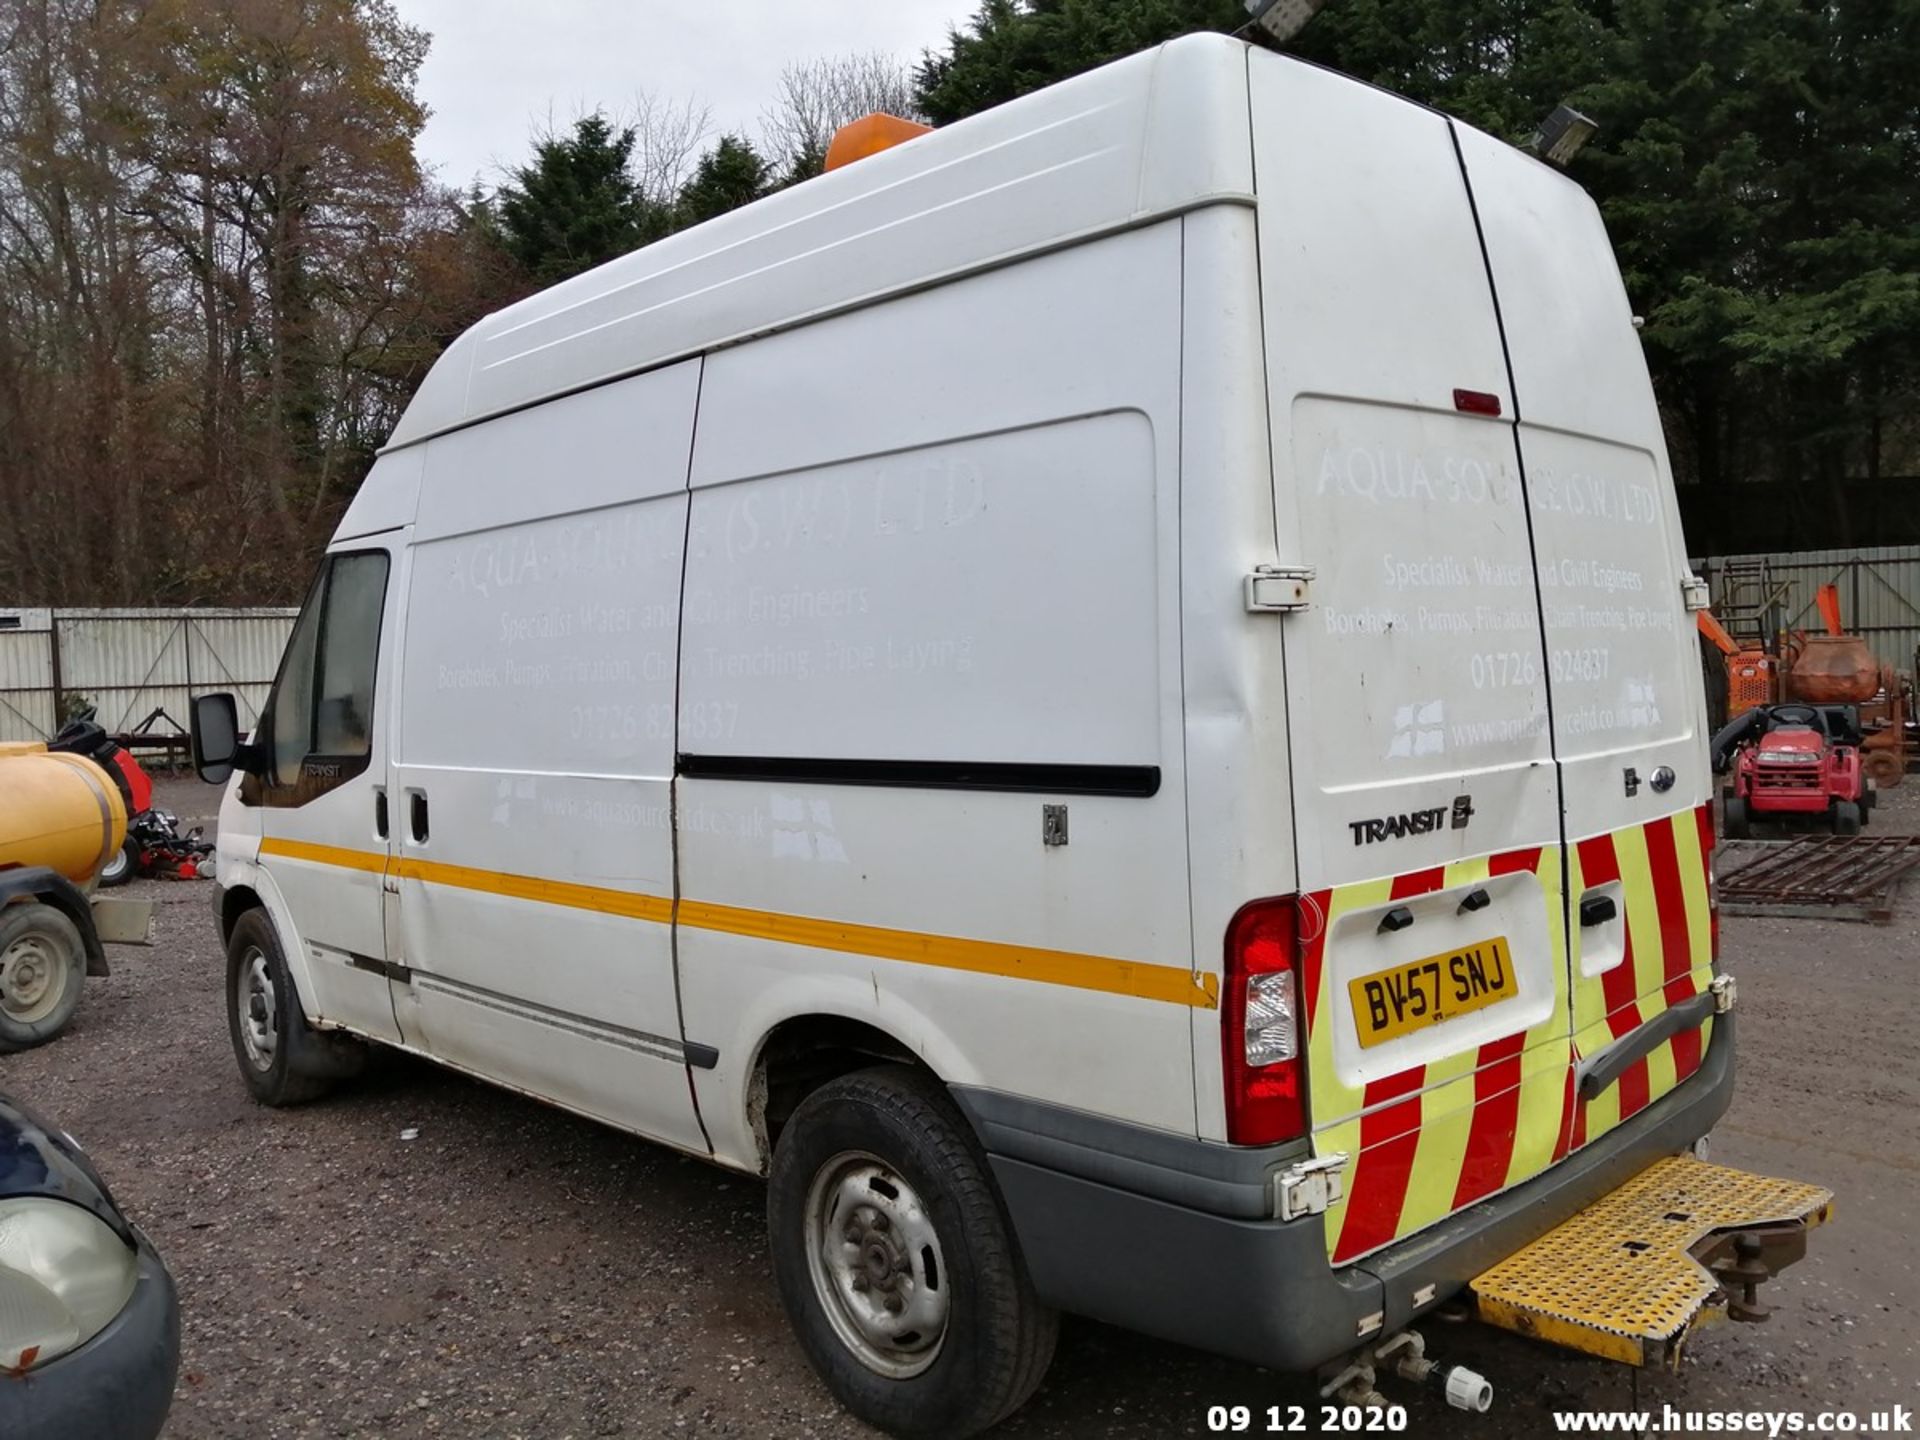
(1151, 135)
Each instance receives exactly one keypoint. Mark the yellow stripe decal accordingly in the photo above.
(334, 855)
(984, 957)
(630, 903)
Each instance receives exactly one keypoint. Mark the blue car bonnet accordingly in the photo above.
(40, 1159)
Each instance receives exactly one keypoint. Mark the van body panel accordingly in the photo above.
(387, 499)
(537, 717)
(1233, 665)
(873, 549)
(1114, 149)
(1417, 686)
(1629, 709)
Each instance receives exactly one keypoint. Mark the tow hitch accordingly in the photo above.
(1680, 1245)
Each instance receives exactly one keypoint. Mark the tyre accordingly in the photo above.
(124, 865)
(1846, 818)
(1736, 823)
(283, 1059)
(43, 964)
(896, 1262)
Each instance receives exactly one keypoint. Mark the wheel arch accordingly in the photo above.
(801, 1053)
(246, 887)
(235, 902)
(36, 885)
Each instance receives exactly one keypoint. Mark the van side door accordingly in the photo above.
(532, 789)
(322, 843)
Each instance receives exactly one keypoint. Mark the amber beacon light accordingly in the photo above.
(869, 135)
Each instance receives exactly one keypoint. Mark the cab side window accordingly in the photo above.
(349, 647)
(290, 719)
(320, 719)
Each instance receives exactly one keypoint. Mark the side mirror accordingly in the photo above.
(216, 737)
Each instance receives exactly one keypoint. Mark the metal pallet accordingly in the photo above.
(1817, 877)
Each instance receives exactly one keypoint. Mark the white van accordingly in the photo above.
(1106, 696)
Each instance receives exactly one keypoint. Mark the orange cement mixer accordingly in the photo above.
(1835, 668)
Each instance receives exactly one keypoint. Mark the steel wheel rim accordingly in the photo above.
(254, 1002)
(876, 1264)
(33, 977)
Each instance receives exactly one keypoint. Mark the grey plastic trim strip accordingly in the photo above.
(659, 1047)
(1182, 1170)
(1599, 1070)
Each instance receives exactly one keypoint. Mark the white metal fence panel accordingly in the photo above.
(26, 674)
(238, 651)
(138, 668)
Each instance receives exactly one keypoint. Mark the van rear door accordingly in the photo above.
(1426, 803)
(1628, 706)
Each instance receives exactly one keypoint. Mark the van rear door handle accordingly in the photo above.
(1597, 910)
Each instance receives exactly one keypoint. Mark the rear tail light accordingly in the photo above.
(1262, 1038)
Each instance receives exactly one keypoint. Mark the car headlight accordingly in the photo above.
(64, 1275)
(1787, 757)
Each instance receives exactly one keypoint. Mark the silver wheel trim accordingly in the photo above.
(33, 977)
(254, 1003)
(876, 1264)
(118, 862)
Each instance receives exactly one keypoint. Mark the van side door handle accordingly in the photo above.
(417, 816)
(380, 812)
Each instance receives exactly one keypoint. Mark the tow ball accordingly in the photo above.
(1405, 1354)
(1741, 1261)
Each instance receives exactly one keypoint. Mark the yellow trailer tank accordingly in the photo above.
(60, 811)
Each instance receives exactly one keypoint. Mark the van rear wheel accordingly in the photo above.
(895, 1260)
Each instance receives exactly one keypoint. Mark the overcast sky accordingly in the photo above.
(499, 68)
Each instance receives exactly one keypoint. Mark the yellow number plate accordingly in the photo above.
(1391, 1003)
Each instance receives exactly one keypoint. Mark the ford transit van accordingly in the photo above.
(1106, 696)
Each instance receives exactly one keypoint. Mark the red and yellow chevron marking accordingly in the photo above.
(1430, 1139)
(1662, 870)
(1438, 1137)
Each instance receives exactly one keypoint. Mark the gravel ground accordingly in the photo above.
(513, 1271)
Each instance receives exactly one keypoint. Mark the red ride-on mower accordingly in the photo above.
(1793, 763)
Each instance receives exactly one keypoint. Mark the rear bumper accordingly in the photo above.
(118, 1385)
(1261, 1290)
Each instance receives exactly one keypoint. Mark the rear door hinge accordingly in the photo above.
(1725, 993)
(1309, 1187)
(1693, 591)
(1277, 589)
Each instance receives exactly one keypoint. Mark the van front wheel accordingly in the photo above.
(283, 1060)
(895, 1260)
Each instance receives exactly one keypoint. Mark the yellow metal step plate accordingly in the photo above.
(1619, 1279)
